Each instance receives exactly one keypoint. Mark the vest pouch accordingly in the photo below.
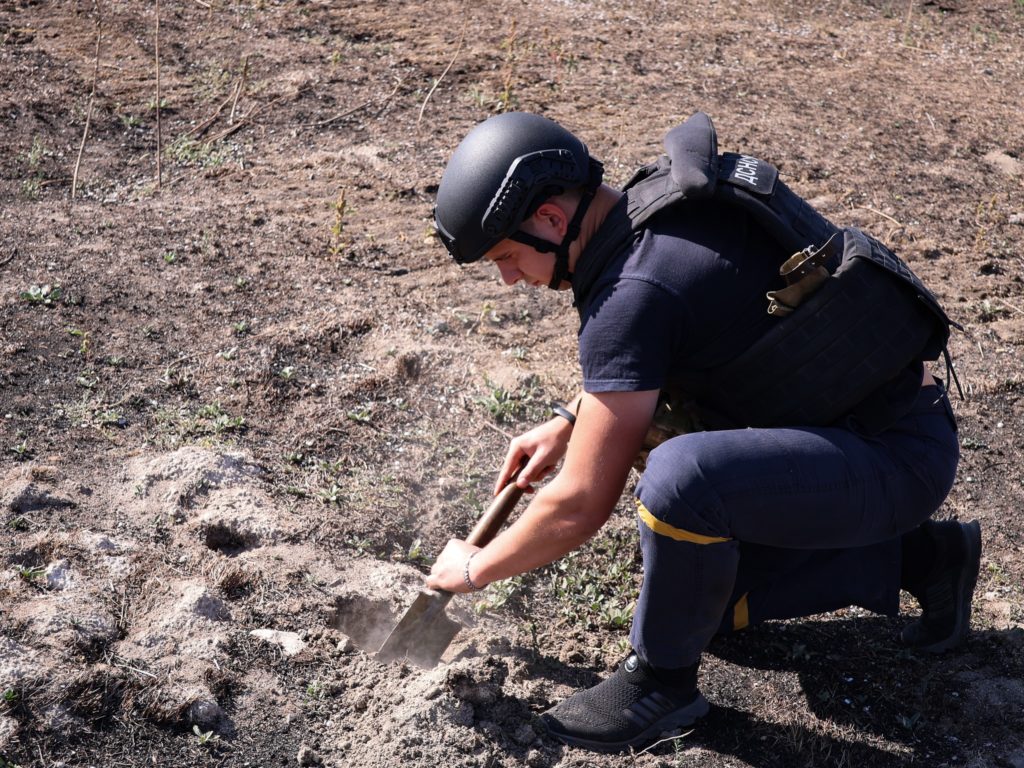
(862, 326)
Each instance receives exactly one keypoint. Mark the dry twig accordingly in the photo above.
(240, 86)
(1008, 305)
(159, 147)
(879, 213)
(199, 129)
(458, 49)
(906, 24)
(346, 113)
(92, 96)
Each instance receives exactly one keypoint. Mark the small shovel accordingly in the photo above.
(425, 631)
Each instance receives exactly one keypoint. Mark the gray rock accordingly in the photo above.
(308, 756)
(206, 713)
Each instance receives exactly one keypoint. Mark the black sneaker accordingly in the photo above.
(947, 594)
(628, 710)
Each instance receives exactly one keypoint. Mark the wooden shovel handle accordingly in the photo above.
(490, 522)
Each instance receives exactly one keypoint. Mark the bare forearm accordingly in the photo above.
(544, 532)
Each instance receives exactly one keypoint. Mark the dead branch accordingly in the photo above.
(159, 140)
(199, 129)
(346, 113)
(92, 96)
(879, 213)
(458, 49)
(1008, 305)
(364, 105)
(906, 24)
(238, 89)
(252, 114)
(14, 252)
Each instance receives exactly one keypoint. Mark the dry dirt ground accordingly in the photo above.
(241, 408)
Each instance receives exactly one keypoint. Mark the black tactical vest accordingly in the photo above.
(852, 318)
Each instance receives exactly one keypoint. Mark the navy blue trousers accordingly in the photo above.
(739, 526)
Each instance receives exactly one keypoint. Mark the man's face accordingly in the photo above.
(519, 262)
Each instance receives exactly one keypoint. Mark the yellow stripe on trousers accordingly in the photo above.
(741, 614)
(663, 528)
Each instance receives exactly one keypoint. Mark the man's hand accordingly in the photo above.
(544, 446)
(449, 570)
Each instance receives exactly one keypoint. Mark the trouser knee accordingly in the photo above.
(676, 493)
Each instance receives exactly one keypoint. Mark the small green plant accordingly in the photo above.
(241, 327)
(596, 586)
(170, 257)
(188, 151)
(338, 226)
(33, 185)
(331, 495)
(498, 594)
(415, 553)
(503, 406)
(47, 295)
(10, 695)
(30, 573)
(287, 373)
(130, 121)
(18, 524)
(228, 354)
(361, 415)
(21, 451)
(37, 153)
(360, 544)
(86, 379)
(84, 340)
(316, 690)
(205, 738)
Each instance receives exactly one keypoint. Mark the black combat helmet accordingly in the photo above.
(500, 174)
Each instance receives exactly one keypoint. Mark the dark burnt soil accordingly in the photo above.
(255, 395)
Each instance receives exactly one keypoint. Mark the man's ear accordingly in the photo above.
(552, 217)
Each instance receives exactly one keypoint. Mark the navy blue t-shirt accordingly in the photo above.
(688, 295)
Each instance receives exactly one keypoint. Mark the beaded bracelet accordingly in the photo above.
(467, 578)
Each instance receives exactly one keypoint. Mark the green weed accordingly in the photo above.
(361, 415)
(44, 295)
(84, 340)
(21, 451)
(188, 151)
(30, 573)
(33, 185)
(205, 738)
(338, 226)
(596, 586)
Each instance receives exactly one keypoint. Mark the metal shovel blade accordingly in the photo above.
(424, 633)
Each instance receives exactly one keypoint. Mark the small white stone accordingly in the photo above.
(58, 574)
(289, 642)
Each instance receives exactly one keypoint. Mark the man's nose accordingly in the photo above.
(509, 274)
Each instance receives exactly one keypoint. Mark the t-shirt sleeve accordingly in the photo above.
(628, 337)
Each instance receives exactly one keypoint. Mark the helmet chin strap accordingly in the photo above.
(561, 250)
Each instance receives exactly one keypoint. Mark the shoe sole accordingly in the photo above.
(965, 592)
(680, 718)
